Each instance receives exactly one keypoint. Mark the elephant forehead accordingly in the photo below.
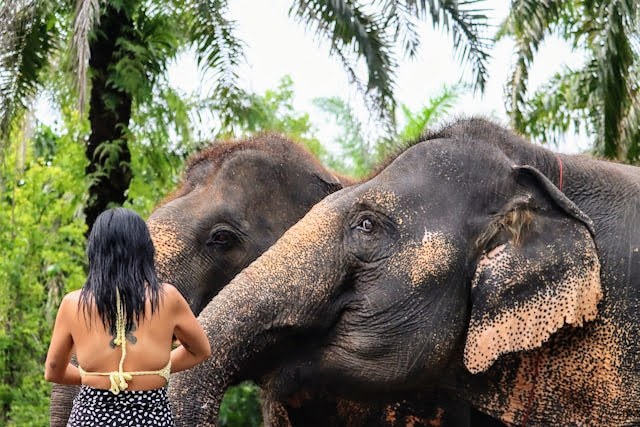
(428, 258)
(380, 197)
(389, 202)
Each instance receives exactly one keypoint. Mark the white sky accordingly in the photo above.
(276, 46)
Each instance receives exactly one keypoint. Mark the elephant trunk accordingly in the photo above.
(61, 403)
(263, 305)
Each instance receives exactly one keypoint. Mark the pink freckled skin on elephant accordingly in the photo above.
(461, 268)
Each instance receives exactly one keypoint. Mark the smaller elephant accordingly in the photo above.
(475, 263)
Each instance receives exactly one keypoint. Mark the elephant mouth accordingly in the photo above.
(299, 398)
(288, 383)
(295, 385)
(293, 372)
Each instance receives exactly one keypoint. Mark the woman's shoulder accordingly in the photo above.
(168, 287)
(69, 303)
(71, 297)
(170, 292)
(173, 296)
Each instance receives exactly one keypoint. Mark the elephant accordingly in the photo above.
(476, 262)
(235, 199)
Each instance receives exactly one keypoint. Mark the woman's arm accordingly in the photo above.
(195, 346)
(57, 367)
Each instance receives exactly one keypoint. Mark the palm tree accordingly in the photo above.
(603, 96)
(126, 45)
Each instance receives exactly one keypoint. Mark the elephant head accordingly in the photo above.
(234, 201)
(429, 275)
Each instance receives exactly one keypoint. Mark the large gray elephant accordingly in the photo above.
(475, 262)
(234, 201)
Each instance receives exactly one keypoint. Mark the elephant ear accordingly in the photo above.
(539, 270)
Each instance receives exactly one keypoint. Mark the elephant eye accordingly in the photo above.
(220, 238)
(365, 225)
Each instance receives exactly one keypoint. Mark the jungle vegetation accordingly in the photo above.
(123, 132)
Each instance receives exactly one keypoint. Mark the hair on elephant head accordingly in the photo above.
(461, 266)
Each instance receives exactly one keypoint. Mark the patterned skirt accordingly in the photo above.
(97, 407)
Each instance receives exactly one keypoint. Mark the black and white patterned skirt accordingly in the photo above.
(97, 407)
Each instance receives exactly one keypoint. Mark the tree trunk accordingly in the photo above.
(110, 110)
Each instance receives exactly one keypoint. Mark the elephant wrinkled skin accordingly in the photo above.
(460, 266)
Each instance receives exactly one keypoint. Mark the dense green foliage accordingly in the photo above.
(42, 243)
(602, 97)
(273, 112)
(240, 407)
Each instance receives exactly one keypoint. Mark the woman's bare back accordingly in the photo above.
(148, 345)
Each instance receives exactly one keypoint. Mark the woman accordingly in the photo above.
(121, 325)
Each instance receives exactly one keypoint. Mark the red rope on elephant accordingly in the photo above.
(532, 393)
(560, 165)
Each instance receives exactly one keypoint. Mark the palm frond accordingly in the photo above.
(142, 58)
(218, 49)
(467, 24)
(350, 30)
(356, 156)
(615, 58)
(602, 96)
(631, 130)
(529, 21)
(558, 106)
(26, 40)
(425, 117)
(630, 126)
(87, 15)
(402, 17)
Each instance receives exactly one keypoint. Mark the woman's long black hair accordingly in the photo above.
(120, 252)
